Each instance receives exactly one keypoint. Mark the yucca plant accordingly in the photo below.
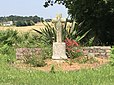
(73, 32)
(48, 34)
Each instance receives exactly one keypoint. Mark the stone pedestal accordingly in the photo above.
(59, 51)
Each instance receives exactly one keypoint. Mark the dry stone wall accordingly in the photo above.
(97, 51)
(21, 52)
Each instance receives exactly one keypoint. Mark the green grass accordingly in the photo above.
(12, 76)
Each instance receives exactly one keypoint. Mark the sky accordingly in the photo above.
(30, 8)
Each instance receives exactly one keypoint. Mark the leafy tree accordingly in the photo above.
(14, 18)
(24, 23)
(97, 15)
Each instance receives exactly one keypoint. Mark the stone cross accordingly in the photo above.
(59, 47)
(58, 25)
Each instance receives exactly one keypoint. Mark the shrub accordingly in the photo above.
(34, 60)
(29, 40)
(47, 52)
(9, 53)
(112, 57)
(4, 49)
(8, 37)
(72, 48)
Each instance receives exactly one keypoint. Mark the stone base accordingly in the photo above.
(59, 51)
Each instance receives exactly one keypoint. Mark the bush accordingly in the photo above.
(29, 40)
(9, 53)
(112, 57)
(8, 37)
(47, 52)
(72, 48)
(34, 60)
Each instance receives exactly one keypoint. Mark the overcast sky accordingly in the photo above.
(30, 7)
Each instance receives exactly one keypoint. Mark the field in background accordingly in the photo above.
(29, 28)
(26, 28)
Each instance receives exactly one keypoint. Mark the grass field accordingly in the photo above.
(13, 76)
(10, 75)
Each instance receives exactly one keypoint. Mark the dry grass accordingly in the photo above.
(29, 28)
(25, 28)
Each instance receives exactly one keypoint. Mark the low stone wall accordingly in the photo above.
(97, 51)
(21, 52)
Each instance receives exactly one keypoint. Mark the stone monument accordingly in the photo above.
(59, 47)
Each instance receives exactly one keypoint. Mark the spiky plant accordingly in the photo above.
(48, 34)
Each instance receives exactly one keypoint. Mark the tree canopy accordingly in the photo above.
(98, 15)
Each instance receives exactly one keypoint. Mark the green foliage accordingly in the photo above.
(98, 15)
(73, 55)
(112, 56)
(47, 52)
(8, 37)
(52, 70)
(73, 32)
(13, 38)
(13, 18)
(13, 76)
(37, 60)
(90, 42)
(86, 59)
(9, 53)
(29, 40)
(4, 49)
(24, 23)
(47, 34)
(34, 60)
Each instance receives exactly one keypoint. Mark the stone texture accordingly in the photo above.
(21, 52)
(97, 51)
(59, 47)
(59, 51)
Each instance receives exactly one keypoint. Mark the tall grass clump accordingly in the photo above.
(112, 56)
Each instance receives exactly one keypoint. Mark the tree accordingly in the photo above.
(98, 15)
(13, 18)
